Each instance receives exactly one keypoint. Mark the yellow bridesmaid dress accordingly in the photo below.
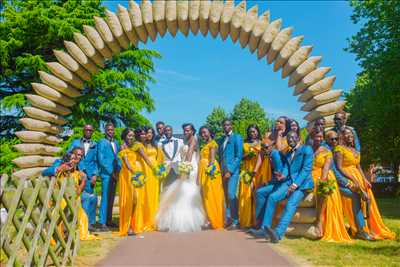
(246, 198)
(212, 190)
(148, 195)
(375, 226)
(332, 219)
(83, 221)
(126, 190)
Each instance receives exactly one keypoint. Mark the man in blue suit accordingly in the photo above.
(230, 153)
(109, 166)
(88, 165)
(340, 120)
(292, 178)
(349, 191)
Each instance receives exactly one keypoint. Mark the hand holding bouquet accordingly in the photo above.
(246, 177)
(161, 172)
(138, 179)
(212, 171)
(184, 168)
(326, 187)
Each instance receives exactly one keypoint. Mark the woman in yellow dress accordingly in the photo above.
(128, 156)
(347, 161)
(68, 168)
(330, 222)
(251, 151)
(277, 137)
(148, 156)
(210, 180)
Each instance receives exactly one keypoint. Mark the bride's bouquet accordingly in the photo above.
(138, 179)
(161, 172)
(212, 171)
(184, 168)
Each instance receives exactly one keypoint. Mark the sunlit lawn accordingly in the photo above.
(359, 253)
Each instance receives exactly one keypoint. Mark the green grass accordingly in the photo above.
(359, 253)
(91, 252)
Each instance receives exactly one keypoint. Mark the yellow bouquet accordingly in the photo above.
(212, 171)
(246, 177)
(161, 172)
(138, 179)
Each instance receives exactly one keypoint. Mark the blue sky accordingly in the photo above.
(198, 73)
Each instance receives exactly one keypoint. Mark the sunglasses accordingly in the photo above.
(334, 139)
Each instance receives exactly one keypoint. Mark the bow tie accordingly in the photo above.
(86, 141)
(168, 141)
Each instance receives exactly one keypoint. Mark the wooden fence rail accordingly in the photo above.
(40, 226)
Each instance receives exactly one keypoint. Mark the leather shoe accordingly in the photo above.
(91, 228)
(233, 226)
(364, 236)
(258, 233)
(272, 235)
(102, 228)
(112, 225)
(131, 233)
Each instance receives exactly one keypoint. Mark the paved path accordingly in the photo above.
(206, 248)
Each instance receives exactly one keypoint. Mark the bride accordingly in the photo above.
(181, 208)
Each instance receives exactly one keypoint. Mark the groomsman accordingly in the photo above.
(109, 166)
(171, 147)
(160, 137)
(292, 178)
(88, 165)
(340, 120)
(230, 152)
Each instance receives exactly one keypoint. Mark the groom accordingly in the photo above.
(171, 147)
(230, 151)
(291, 180)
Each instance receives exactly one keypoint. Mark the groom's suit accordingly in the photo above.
(296, 167)
(230, 152)
(172, 154)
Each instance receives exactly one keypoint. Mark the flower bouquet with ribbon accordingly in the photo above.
(246, 177)
(212, 171)
(184, 168)
(161, 172)
(138, 179)
(326, 187)
(251, 153)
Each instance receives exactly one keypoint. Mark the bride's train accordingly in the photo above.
(181, 206)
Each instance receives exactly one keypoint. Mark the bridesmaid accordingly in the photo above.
(330, 222)
(251, 150)
(128, 156)
(69, 168)
(152, 186)
(278, 135)
(212, 188)
(294, 126)
(142, 221)
(347, 161)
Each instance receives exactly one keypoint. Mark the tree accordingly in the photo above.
(248, 112)
(244, 113)
(374, 102)
(31, 29)
(214, 121)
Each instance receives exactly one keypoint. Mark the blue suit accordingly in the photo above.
(52, 170)
(109, 165)
(88, 165)
(230, 157)
(297, 170)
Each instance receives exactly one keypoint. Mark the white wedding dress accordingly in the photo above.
(181, 207)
